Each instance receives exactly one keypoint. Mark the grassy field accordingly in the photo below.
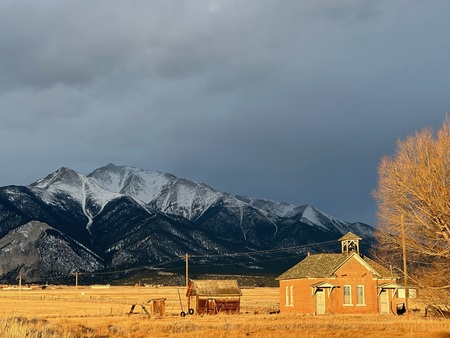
(103, 313)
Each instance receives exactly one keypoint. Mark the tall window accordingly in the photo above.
(360, 295)
(291, 301)
(290, 295)
(347, 295)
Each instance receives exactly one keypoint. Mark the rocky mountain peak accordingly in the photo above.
(63, 175)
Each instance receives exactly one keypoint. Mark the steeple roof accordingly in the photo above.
(349, 236)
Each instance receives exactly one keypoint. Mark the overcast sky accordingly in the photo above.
(289, 100)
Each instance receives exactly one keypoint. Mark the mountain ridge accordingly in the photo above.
(121, 217)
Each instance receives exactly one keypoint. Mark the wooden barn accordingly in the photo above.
(214, 296)
(340, 283)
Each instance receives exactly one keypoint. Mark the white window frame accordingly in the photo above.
(360, 297)
(401, 293)
(292, 296)
(289, 295)
(349, 302)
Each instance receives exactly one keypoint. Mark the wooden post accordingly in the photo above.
(405, 274)
(187, 282)
(76, 280)
(20, 286)
(187, 270)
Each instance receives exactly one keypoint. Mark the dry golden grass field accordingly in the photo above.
(65, 312)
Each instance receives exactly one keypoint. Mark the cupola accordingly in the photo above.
(350, 243)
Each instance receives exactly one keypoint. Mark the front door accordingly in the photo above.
(384, 302)
(320, 302)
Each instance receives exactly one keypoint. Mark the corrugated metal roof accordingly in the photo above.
(214, 288)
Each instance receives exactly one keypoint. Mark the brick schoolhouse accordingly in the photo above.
(340, 283)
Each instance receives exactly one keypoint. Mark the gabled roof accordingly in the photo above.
(390, 286)
(380, 269)
(325, 265)
(350, 236)
(324, 285)
(211, 288)
(318, 265)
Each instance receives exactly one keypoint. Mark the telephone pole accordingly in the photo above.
(20, 286)
(187, 281)
(187, 270)
(405, 274)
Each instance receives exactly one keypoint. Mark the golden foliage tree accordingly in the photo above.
(414, 185)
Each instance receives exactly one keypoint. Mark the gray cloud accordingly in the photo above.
(294, 100)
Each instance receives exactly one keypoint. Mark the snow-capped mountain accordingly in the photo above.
(66, 183)
(120, 217)
(164, 192)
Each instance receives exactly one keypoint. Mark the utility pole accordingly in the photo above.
(20, 286)
(405, 274)
(187, 281)
(76, 280)
(187, 270)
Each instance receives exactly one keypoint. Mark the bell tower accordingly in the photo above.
(350, 243)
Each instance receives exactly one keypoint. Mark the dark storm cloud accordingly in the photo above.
(288, 100)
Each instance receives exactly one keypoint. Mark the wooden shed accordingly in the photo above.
(157, 308)
(214, 296)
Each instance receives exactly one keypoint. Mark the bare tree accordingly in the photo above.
(415, 183)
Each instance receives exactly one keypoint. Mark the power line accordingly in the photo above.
(269, 251)
(228, 255)
(137, 268)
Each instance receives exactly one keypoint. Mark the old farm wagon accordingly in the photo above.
(214, 296)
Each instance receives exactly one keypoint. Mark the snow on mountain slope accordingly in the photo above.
(91, 197)
(176, 196)
(311, 215)
(316, 218)
(163, 191)
(278, 208)
(141, 184)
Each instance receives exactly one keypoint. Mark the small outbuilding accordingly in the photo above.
(214, 296)
(157, 308)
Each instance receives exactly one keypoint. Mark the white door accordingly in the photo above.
(384, 302)
(320, 302)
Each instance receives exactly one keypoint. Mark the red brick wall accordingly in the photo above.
(304, 301)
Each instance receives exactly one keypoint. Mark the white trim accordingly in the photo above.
(349, 288)
(289, 294)
(360, 287)
(291, 300)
